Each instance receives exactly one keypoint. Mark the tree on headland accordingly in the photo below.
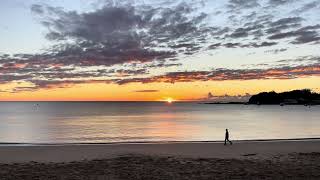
(304, 96)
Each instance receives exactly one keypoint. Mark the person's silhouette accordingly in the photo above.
(227, 138)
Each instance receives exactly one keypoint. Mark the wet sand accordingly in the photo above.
(181, 160)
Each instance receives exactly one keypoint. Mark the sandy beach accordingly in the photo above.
(18, 153)
(166, 160)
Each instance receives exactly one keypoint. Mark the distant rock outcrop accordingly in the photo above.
(304, 96)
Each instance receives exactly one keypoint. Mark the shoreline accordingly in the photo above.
(4, 144)
(79, 152)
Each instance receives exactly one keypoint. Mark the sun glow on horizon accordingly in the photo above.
(169, 100)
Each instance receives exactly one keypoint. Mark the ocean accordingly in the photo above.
(106, 122)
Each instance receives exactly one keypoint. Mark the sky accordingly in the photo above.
(152, 50)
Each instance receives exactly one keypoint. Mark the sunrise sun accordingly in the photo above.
(169, 100)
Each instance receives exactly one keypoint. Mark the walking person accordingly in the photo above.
(227, 138)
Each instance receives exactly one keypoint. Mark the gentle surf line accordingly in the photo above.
(154, 142)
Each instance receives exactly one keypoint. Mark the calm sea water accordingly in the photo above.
(77, 122)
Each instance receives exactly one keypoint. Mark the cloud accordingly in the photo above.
(147, 41)
(159, 65)
(36, 8)
(243, 4)
(283, 24)
(140, 33)
(226, 98)
(60, 77)
(215, 46)
(263, 44)
(280, 2)
(300, 61)
(148, 32)
(128, 72)
(276, 51)
(147, 91)
(89, 45)
(239, 45)
(3, 91)
(306, 7)
(303, 35)
(284, 72)
(261, 28)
